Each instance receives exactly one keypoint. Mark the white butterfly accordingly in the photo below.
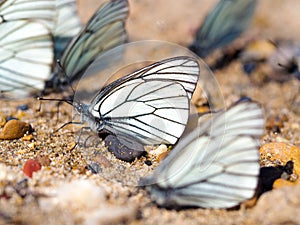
(67, 24)
(150, 105)
(104, 31)
(222, 25)
(215, 166)
(28, 53)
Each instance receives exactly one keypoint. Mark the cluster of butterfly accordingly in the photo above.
(215, 166)
(33, 36)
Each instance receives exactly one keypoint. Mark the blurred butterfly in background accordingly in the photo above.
(28, 63)
(281, 58)
(222, 25)
(26, 44)
(216, 165)
(67, 24)
(149, 106)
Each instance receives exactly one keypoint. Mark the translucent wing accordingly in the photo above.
(150, 105)
(13, 10)
(216, 166)
(150, 111)
(222, 25)
(183, 69)
(26, 57)
(105, 30)
(67, 25)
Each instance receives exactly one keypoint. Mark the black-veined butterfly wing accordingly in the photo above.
(13, 10)
(183, 69)
(150, 105)
(149, 111)
(67, 25)
(105, 30)
(216, 166)
(26, 45)
(222, 25)
(26, 57)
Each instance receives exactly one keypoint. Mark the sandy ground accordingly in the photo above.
(55, 196)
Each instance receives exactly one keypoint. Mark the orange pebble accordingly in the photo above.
(2, 120)
(162, 156)
(27, 137)
(31, 166)
(283, 152)
(279, 183)
(14, 129)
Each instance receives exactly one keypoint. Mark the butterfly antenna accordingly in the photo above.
(65, 75)
(69, 101)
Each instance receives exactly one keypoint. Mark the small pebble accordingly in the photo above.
(31, 166)
(116, 145)
(20, 114)
(71, 146)
(2, 120)
(148, 162)
(159, 150)
(43, 160)
(102, 161)
(275, 123)
(94, 168)
(15, 129)
(162, 156)
(27, 137)
(279, 183)
(31, 145)
(282, 152)
(22, 107)
(11, 118)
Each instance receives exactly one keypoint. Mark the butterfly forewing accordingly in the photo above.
(152, 111)
(212, 168)
(105, 30)
(183, 70)
(26, 57)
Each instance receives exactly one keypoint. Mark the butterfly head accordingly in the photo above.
(86, 116)
(80, 107)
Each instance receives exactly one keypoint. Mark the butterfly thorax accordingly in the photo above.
(86, 117)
